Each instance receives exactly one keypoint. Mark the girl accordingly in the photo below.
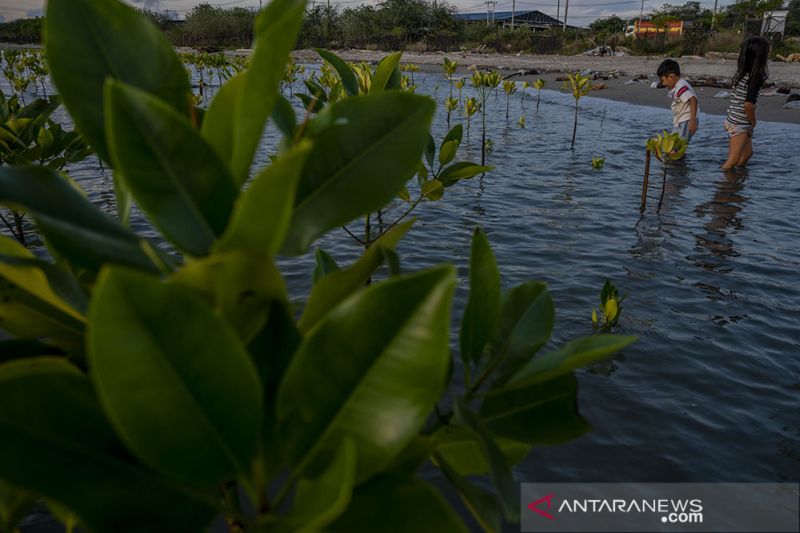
(750, 76)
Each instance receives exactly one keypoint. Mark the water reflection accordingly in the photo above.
(715, 244)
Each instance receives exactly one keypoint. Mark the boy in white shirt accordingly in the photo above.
(684, 99)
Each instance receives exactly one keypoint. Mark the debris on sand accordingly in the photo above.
(607, 51)
(791, 58)
(599, 86)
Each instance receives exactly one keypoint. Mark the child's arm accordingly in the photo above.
(693, 116)
(750, 111)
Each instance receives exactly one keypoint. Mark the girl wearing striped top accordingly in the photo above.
(741, 119)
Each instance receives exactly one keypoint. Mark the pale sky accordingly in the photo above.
(581, 12)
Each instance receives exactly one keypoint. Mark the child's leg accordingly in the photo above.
(747, 152)
(735, 150)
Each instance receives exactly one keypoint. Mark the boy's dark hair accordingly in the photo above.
(753, 58)
(667, 67)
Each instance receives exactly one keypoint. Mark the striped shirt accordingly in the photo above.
(740, 94)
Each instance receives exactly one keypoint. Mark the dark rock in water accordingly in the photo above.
(561, 78)
(783, 89)
(793, 98)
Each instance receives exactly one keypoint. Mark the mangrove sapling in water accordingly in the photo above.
(579, 86)
(450, 104)
(521, 121)
(509, 87)
(265, 428)
(471, 106)
(484, 82)
(667, 147)
(610, 308)
(525, 85)
(538, 85)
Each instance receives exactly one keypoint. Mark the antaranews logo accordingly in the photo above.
(660, 507)
(680, 511)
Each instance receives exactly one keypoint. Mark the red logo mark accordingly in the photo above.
(549, 499)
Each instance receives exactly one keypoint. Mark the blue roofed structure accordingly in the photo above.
(532, 19)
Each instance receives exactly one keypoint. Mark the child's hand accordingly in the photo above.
(693, 126)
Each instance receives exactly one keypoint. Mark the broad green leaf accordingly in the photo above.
(483, 304)
(73, 226)
(284, 117)
(404, 195)
(432, 190)
(430, 151)
(181, 391)
(29, 308)
(332, 289)
(464, 453)
(56, 442)
(319, 501)
(219, 122)
(448, 152)
(387, 131)
(176, 177)
(481, 504)
(499, 469)
(412, 457)
(276, 30)
(262, 213)
(325, 265)
(349, 81)
(88, 41)
(572, 355)
(381, 80)
(123, 198)
(398, 504)
(542, 414)
(456, 134)
(239, 286)
(394, 372)
(461, 171)
(526, 322)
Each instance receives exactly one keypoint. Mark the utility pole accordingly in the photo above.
(558, 11)
(566, 10)
(490, 8)
(513, 12)
(714, 18)
(641, 14)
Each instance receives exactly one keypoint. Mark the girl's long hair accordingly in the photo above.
(753, 58)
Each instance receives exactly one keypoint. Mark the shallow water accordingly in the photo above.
(710, 391)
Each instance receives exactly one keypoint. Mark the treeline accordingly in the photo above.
(428, 25)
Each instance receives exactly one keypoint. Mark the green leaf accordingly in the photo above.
(319, 501)
(332, 289)
(382, 78)
(123, 198)
(430, 151)
(398, 504)
(393, 374)
(57, 443)
(29, 307)
(463, 450)
(219, 122)
(448, 152)
(261, 217)
(526, 322)
(72, 225)
(542, 414)
(181, 390)
(15, 504)
(276, 31)
(349, 81)
(88, 41)
(240, 286)
(461, 171)
(325, 265)
(432, 190)
(172, 172)
(404, 195)
(572, 355)
(481, 504)
(387, 131)
(499, 470)
(284, 117)
(483, 304)
(456, 134)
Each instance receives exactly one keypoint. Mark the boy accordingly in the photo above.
(684, 99)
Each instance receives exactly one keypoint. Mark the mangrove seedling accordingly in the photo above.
(521, 121)
(460, 86)
(412, 68)
(579, 86)
(667, 147)
(509, 87)
(449, 68)
(598, 162)
(610, 308)
(450, 104)
(484, 83)
(525, 85)
(471, 106)
(538, 85)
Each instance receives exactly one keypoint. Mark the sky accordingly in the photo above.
(581, 12)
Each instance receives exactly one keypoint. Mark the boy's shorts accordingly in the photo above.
(737, 129)
(682, 129)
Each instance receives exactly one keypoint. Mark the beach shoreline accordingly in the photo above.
(623, 68)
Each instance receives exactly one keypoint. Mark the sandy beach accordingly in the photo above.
(624, 68)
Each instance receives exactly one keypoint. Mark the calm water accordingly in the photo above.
(710, 391)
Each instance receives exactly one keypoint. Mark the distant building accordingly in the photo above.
(532, 19)
(646, 29)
